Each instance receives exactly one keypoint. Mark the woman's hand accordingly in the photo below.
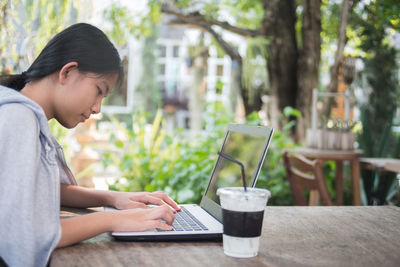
(131, 200)
(78, 228)
(142, 219)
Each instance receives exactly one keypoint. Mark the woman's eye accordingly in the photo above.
(99, 91)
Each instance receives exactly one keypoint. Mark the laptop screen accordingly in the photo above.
(249, 150)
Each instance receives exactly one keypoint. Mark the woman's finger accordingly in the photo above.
(160, 225)
(163, 212)
(167, 199)
(136, 205)
(149, 199)
(129, 204)
(156, 201)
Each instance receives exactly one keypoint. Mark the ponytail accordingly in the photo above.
(14, 81)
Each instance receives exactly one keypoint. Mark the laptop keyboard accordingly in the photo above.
(185, 221)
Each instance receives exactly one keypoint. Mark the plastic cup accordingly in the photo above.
(242, 217)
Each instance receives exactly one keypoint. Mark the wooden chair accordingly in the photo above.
(302, 174)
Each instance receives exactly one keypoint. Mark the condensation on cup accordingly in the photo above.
(242, 217)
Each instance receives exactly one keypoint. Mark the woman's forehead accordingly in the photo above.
(109, 78)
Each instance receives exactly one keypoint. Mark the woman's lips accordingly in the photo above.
(84, 118)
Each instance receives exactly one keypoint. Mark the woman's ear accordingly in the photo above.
(65, 71)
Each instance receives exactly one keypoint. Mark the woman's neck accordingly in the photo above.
(41, 92)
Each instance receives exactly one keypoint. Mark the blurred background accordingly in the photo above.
(192, 67)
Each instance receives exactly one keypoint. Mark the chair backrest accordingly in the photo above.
(303, 174)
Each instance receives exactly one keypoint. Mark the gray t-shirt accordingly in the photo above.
(29, 183)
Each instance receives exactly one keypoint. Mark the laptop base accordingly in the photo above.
(167, 238)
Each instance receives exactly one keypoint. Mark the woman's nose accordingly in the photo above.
(96, 108)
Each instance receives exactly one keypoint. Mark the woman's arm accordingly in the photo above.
(80, 197)
(83, 227)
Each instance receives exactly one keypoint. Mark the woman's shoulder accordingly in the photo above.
(18, 117)
(13, 102)
(16, 111)
(17, 106)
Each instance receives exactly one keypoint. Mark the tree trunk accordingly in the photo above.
(282, 55)
(308, 63)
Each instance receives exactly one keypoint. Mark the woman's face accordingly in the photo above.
(80, 96)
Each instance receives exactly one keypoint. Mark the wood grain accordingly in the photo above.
(292, 236)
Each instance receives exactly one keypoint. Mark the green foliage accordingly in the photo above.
(379, 188)
(60, 134)
(247, 13)
(26, 27)
(254, 119)
(254, 64)
(151, 160)
(383, 13)
(181, 165)
(147, 21)
(330, 21)
(377, 115)
(122, 24)
(57, 130)
(216, 117)
(210, 10)
(183, 3)
(289, 111)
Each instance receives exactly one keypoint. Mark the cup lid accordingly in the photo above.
(239, 191)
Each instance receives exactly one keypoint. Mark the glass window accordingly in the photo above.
(176, 51)
(162, 69)
(163, 51)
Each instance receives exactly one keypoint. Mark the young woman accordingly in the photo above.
(67, 82)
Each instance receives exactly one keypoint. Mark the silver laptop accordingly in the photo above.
(244, 146)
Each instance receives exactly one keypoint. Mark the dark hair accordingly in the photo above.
(82, 43)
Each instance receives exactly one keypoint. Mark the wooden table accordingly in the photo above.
(339, 156)
(381, 164)
(291, 236)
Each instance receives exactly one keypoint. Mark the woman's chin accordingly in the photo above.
(69, 125)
